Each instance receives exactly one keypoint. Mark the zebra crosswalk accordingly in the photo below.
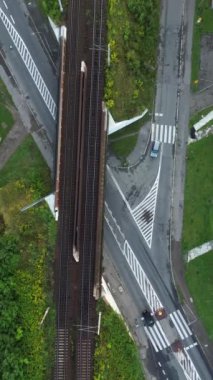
(180, 324)
(187, 365)
(30, 64)
(157, 337)
(163, 133)
(144, 213)
(142, 279)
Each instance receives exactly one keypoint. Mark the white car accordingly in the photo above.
(155, 149)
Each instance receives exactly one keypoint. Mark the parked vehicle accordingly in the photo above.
(155, 149)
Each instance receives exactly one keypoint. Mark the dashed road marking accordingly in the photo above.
(180, 324)
(29, 63)
(163, 133)
(114, 227)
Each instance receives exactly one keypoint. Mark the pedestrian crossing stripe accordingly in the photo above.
(163, 133)
(144, 213)
(180, 324)
(157, 337)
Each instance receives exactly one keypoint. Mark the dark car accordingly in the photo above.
(147, 318)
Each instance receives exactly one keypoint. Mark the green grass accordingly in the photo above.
(6, 117)
(200, 282)
(204, 11)
(198, 116)
(133, 29)
(6, 122)
(123, 142)
(27, 163)
(5, 97)
(116, 356)
(123, 147)
(198, 203)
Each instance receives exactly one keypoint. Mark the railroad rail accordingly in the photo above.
(80, 190)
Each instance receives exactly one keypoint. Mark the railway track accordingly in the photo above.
(78, 197)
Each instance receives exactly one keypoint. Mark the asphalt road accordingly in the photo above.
(171, 110)
(20, 18)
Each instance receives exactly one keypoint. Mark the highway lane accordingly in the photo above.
(26, 84)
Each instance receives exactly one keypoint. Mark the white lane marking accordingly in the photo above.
(170, 133)
(158, 114)
(5, 4)
(157, 337)
(187, 365)
(114, 234)
(157, 131)
(153, 131)
(173, 135)
(28, 61)
(191, 346)
(141, 278)
(12, 19)
(151, 339)
(163, 133)
(184, 322)
(163, 371)
(162, 333)
(161, 342)
(159, 364)
(180, 324)
(144, 213)
(118, 188)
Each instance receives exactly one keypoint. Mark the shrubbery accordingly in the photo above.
(51, 8)
(132, 35)
(26, 255)
(116, 356)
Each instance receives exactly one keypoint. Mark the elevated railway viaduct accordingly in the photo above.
(79, 189)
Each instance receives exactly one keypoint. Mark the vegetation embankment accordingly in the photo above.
(52, 9)
(133, 28)
(199, 279)
(116, 356)
(198, 204)
(203, 23)
(198, 226)
(6, 118)
(27, 242)
(199, 115)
